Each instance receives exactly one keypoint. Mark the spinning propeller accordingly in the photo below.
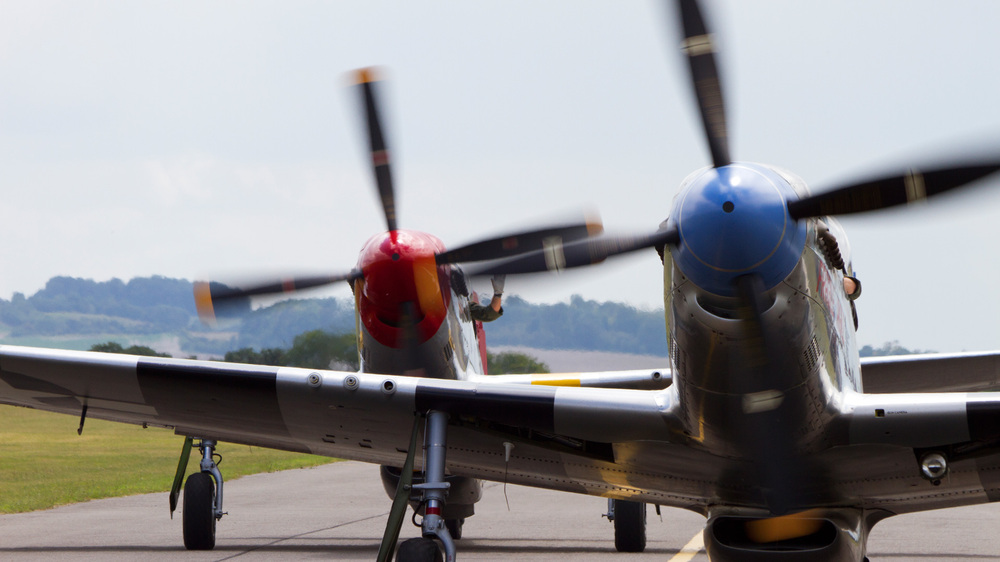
(215, 297)
(915, 184)
(873, 195)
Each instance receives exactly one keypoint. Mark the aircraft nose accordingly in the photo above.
(402, 289)
(733, 221)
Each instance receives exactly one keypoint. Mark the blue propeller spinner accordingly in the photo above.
(733, 221)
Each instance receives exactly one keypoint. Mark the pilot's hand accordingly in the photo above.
(498, 281)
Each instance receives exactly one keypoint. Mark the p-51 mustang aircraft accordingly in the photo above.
(763, 429)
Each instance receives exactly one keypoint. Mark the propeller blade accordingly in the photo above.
(379, 152)
(211, 299)
(518, 243)
(888, 192)
(700, 50)
(409, 340)
(588, 251)
(760, 354)
(766, 434)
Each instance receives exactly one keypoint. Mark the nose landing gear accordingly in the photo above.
(434, 491)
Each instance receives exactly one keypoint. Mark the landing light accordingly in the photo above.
(933, 466)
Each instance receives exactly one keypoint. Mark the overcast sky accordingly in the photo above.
(206, 139)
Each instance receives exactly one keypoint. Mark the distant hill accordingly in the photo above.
(158, 311)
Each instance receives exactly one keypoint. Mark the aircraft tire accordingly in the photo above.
(199, 512)
(454, 527)
(630, 526)
(419, 550)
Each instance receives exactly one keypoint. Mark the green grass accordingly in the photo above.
(44, 463)
(81, 342)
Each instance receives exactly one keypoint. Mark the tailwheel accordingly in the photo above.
(630, 526)
(419, 550)
(199, 512)
(454, 527)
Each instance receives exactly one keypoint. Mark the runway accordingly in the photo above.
(339, 511)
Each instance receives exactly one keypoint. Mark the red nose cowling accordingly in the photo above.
(402, 284)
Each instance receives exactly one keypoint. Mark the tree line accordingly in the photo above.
(889, 348)
(319, 349)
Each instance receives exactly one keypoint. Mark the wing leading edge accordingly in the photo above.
(939, 372)
(565, 437)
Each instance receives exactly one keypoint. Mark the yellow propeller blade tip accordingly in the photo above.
(203, 302)
(366, 75)
(594, 224)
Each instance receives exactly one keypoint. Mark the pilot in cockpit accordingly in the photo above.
(852, 286)
(494, 310)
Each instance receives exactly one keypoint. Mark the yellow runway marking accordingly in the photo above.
(692, 548)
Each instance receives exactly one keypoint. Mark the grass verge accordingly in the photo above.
(44, 463)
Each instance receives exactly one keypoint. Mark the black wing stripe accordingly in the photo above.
(532, 407)
(984, 420)
(213, 397)
(989, 477)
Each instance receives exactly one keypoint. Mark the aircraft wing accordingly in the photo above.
(599, 441)
(955, 372)
(885, 435)
(609, 442)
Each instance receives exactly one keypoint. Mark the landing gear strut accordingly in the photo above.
(435, 490)
(203, 501)
(431, 493)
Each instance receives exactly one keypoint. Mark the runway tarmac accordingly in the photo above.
(338, 511)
